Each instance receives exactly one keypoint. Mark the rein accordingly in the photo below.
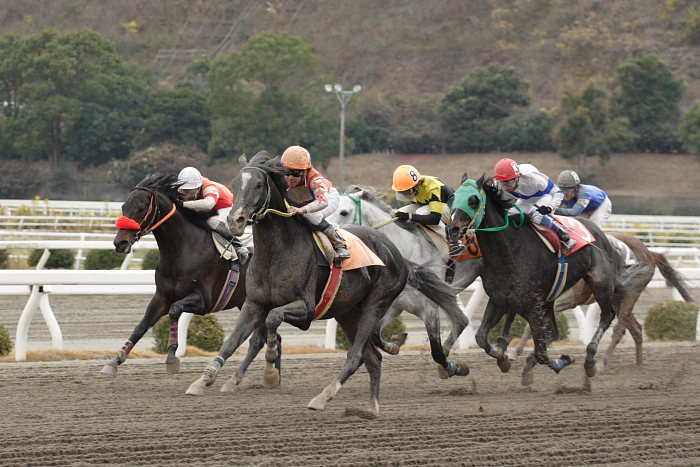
(357, 217)
(517, 225)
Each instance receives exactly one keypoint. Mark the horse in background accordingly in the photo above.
(285, 283)
(648, 261)
(363, 206)
(519, 271)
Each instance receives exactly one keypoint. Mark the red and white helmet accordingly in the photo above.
(506, 169)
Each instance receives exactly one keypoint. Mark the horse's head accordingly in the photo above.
(145, 208)
(253, 188)
(349, 208)
(467, 208)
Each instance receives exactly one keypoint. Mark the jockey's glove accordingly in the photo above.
(178, 203)
(402, 216)
(544, 210)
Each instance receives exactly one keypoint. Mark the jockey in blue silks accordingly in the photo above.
(583, 200)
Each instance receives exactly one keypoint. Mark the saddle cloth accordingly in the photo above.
(573, 227)
(360, 255)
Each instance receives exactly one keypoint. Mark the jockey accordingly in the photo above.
(430, 201)
(537, 194)
(312, 196)
(198, 193)
(583, 200)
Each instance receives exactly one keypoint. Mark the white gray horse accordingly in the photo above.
(363, 206)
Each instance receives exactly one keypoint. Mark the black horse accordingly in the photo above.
(190, 275)
(519, 272)
(285, 282)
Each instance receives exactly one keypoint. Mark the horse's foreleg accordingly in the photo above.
(250, 318)
(397, 340)
(373, 363)
(492, 315)
(607, 314)
(156, 308)
(518, 350)
(296, 314)
(255, 344)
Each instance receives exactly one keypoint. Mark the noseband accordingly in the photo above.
(151, 219)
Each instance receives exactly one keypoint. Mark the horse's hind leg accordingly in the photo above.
(373, 363)
(156, 309)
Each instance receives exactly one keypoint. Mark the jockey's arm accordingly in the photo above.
(205, 204)
(320, 194)
(574, 210)
(426, 219)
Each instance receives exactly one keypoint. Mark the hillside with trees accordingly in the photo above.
(118, 89)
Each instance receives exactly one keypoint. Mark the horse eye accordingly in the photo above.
(473, 202)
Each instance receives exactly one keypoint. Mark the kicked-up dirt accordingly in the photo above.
(67, 413)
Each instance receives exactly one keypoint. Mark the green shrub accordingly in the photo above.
(103, 259)
(59, 259)
(672, 321)
(150, 260)
(395, 327)
(3, 259)
(205, 333)
(5, 341)
(519, 323)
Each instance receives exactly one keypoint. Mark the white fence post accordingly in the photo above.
(183, 325)
(331, 327)
(467, 337)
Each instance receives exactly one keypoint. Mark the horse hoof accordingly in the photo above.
(462, 370)
(590, 371)
(172, 367)
(197, 388)
(399, 339)
(231, 384)
(504, 364)
(527, 379)
(442, 373)
(109, 369)
(317, 403)
(271, 377)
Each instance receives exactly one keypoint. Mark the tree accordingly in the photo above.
(177, 116)
(53, 77)
(586, 128)
(690, 130)
(472, 110)
(649, 98)
(267, 97)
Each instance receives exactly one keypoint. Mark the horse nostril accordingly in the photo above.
(343, 213)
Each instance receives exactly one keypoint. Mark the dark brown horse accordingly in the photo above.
(648, 261)
(190, 275)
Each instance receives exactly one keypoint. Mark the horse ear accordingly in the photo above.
(242, 160)
(480, 182)
(465, 177)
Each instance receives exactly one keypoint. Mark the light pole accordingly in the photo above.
(343, 97)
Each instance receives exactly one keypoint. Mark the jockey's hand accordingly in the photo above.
(544, 210)
(402, 216)
(178, 203)
(295, 210)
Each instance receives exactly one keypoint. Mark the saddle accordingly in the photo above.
(226, 250)
(360, 255)
(575, 229)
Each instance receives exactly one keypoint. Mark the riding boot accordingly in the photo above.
(568, 242)
(341, 249)
(241, 251)
(450, 271)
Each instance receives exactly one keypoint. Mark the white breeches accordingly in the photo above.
(600, 215)
(221, 215)
(529, 206)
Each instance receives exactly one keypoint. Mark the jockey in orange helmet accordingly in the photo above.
(201, 194)
(311, 195)
(537, 194)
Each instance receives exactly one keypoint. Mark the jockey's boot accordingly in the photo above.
(341, 249)
(568, 242)
(241, 251)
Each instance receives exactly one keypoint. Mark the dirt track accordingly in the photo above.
(67, 413)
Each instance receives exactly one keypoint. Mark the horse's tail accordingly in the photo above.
(672, 276)
(430, 285)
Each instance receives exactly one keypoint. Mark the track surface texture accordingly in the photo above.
(67, 413)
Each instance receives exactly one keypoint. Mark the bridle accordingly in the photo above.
(150, 221)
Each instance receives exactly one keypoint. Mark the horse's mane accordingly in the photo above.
(271, 166)
(500, 198)
(167, 185)
(371, 195)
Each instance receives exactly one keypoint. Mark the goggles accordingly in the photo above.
(295, 173)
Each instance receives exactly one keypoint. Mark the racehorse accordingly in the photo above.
(190, 274)
(648, 260)
(363, 206)
(519, 272)
(285, 282)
